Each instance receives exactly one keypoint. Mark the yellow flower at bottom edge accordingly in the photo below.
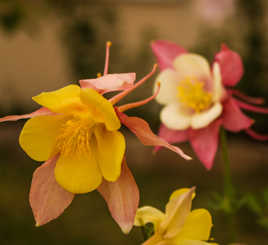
(178, 225)
(83, 131)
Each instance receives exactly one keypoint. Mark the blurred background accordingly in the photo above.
(47, 44)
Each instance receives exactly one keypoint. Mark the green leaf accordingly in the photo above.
(263, 222)
(253, 204)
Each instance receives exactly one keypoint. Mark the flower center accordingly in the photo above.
(192, 94)
(75, 135)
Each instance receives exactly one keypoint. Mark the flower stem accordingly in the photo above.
(228, 187)
(229, 191)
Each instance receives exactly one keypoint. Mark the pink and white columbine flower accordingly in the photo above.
(76, 133)
(198, 99)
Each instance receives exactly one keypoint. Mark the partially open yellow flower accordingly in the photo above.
(178, 225)
(83, 131)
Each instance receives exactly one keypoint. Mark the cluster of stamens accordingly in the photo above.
(191, 93)
(76, 133)
(75, 136)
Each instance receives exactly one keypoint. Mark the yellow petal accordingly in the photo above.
(192, 242)
(102, 110)
(197, 226)
(177, 193)
(148, 214)
(78, 173)
(110, 152)
(38, 136)
(155, 240)
(177, 211)
(61, 99)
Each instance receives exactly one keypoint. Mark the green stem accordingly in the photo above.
(229, 191)
(228, 187)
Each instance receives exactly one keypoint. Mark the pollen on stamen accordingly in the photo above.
(99, 74)
(192, 94)
(75, 137)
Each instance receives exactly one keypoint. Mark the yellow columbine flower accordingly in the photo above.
(76, 133)
(84, 133)
(178, 225)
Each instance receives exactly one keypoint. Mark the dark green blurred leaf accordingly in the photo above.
(265, 196)
(263, 222)
(252, 203)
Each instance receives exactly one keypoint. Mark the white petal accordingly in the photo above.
(192, 65)
(174, 117)
(203, 119)
(218, 89)
(168, 90)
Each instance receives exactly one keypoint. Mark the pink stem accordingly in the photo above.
(256, 136)
(251, 107)
(108, 45)
(123, 108)
(120, 96)
(257, 101)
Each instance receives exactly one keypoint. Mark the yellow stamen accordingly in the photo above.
(98, 74)
(191, 93)
(75, 136)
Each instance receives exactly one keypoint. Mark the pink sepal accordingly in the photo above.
(171, 136)
(110, 82)
(253, 108)
(40, 112)
(233, 118)
(166, 52)
(122, 198)
(142, 130)
(256, 136)
(47, 198)
(231, 66)
(205, 142)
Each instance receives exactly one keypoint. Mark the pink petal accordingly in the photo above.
(171, 136)
(205, 142)
(166, 52)
(233, 118)
(249, 99)
(251, 107)
(231, 66)
(40, 112)
(142, 130)
(110, 82)
(256, 136)
(47, 199)
(122, 198)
